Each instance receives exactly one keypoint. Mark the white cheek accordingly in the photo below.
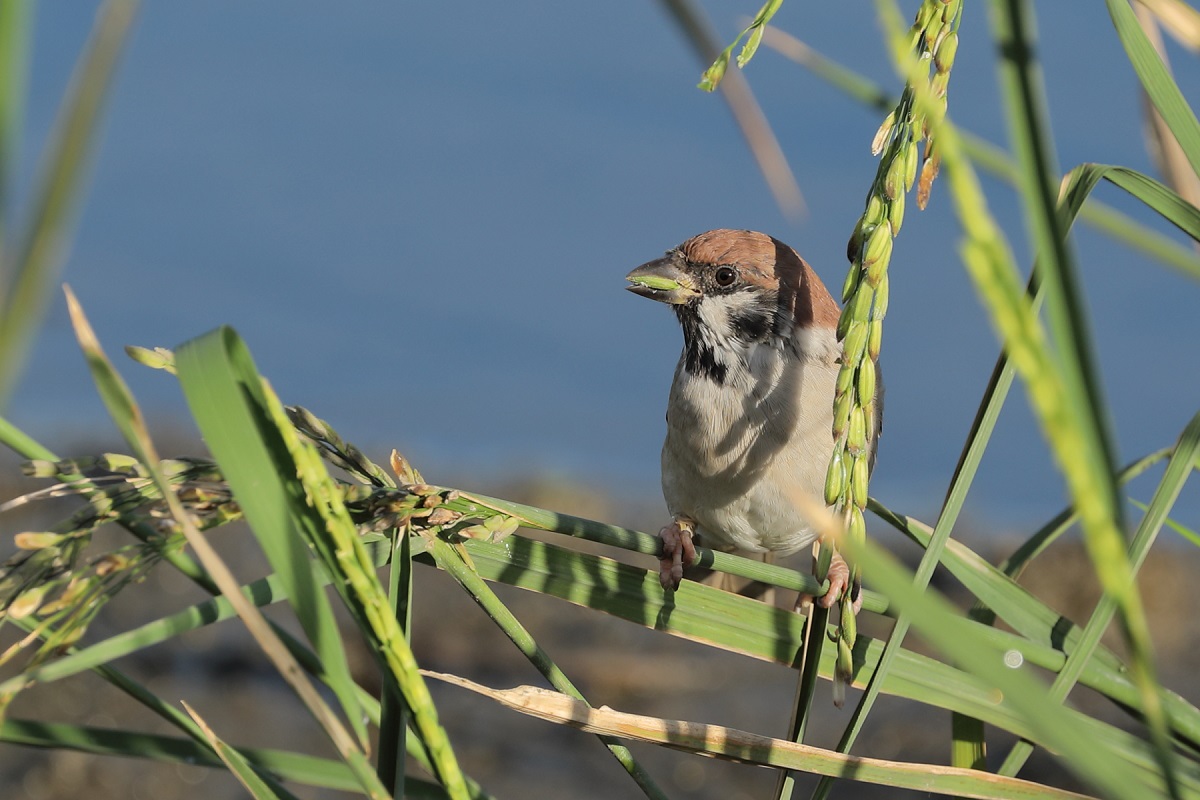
(715, 313)
(714, 318)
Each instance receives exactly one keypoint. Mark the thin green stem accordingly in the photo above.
(1090, 465)
(1178, 469)
(393, 716)
(993, 159)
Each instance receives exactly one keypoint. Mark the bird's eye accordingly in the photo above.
(726, 276)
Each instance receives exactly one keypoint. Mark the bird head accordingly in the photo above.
(732, 290)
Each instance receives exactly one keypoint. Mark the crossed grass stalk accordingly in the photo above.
(439, 518)
(432, 515)
(46, 578)
(118, 488)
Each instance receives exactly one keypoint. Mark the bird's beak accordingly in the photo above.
(662, 280)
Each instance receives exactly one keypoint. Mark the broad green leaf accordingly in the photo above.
(288, 498)
(1173, 208)
(1156, 80)
(224, 393)
(125, 413)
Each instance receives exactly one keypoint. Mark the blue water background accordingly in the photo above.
(419, 217)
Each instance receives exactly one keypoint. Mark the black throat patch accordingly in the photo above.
(699, 354)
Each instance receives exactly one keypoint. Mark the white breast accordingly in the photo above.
(735, 451)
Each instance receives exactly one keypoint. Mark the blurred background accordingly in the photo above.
(421, 227)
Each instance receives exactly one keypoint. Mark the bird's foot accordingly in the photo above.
(839, 582)
(677, 551)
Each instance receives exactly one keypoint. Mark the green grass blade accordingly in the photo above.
(16, 29)
(304, 769)
(1062, 732)
(739, 624)
(1025, 612)
(97, 656)
(232, 404)
(1043, 627)
(1156, 80)
(1025, 102)
(1178, 469)
(223, 392)
(701, 613)
(1086, 453)
(1187, 533)
(809, 665)
(260, 592)
(169, 713)
(638, 542)
(1031, 548)
(1066, 406)
(236, 763)
(22, 443)
(589, 580)
(970, 732)
(449, 560)
(393, 715)
(33, 265)
(129, 420)
(1077, 189)
(1173, 208)
(968, 747)
(994, 160)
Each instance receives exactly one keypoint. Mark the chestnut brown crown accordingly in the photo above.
(724, 261)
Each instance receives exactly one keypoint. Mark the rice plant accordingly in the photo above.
(342, 535)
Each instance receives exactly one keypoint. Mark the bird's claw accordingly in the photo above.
(677, 551)
(839, 582)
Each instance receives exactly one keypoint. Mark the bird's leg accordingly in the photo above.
(677, 551)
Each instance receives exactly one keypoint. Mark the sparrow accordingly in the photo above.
(750, 411)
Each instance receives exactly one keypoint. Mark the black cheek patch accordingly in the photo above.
(751, 325)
